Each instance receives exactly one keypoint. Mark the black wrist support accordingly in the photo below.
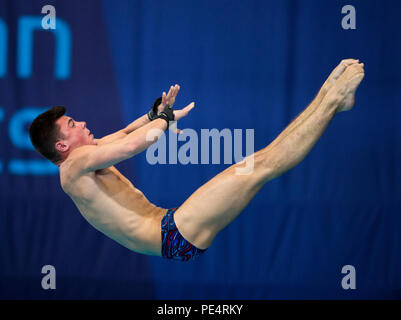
(152, 114)
(167, 114)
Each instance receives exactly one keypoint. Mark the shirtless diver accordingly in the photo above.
(109, 201)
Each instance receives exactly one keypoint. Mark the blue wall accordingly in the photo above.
(247, 65)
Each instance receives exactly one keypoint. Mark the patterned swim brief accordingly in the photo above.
(174, 246)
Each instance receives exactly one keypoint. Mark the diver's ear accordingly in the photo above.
(62, 146)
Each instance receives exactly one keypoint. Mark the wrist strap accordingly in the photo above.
(167, 114)
(152, 114)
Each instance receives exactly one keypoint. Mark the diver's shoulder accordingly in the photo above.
(75, 159)
(70, 172)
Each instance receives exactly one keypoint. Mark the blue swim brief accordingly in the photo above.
(174, 246)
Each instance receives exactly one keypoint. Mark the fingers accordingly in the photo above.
(169, 98)
(177, 88)
(172, 93)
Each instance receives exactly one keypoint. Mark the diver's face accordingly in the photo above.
(74, 133)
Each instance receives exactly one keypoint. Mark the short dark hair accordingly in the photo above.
(44, 133)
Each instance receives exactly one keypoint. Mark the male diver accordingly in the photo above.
(110, 203)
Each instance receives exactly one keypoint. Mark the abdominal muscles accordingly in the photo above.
(112, 205)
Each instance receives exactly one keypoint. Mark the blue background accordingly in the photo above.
(247, 65)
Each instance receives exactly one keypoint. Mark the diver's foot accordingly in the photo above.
(337, 72)
(349, 81)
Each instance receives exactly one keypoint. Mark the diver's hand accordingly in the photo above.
(169, 98)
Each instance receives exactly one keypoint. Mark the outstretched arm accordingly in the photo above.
(138, 123)
(96, 157)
